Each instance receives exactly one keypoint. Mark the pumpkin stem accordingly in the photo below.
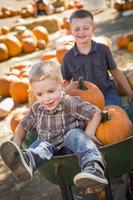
(105, 116)
(81, 84)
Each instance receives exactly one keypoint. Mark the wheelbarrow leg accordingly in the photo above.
(108, 191)
(66, 191)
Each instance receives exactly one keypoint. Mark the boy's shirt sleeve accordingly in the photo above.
(65, 69)
(109, 59)
(29, 121)
(82, 110)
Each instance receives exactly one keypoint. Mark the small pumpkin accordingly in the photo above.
(61, 51)
(6, 106)
(13, 44)
(5, 82)
(19, 90)
(41, 33)
(122, 42)
(4, 30)
(48, 55)
(4, 54)
(115, 125)
(23, 32)
(87, 91)
(21, 65)
(28, 45)
(41, 44)
(16, 118)
(130, 47)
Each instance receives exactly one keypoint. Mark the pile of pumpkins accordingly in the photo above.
(122, 6)
(22, 40)
(125, 42)
(25, 11)
(14, 87)
(28, 10)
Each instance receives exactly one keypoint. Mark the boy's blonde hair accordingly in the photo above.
(46, 69)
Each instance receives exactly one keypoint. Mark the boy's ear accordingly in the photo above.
(64, 83)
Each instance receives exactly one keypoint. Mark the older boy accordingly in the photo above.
(92, 60)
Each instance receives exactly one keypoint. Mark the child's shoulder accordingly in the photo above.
(73, 101)
(100, 46)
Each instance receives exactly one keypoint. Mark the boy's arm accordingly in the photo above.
(121, 79)
(19, 135)
(93, 124)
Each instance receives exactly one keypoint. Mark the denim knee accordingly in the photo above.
(73, 134)
(75, 139)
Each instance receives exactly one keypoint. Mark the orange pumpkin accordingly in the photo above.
(41, 33)
(5, 82)
(115, 125)
(19, 90)
(41, 44)
(16, 118)
(4, 30)
(28, 45)
(122, 41)
(48, 55)
(61, 51)
(21, 65)
(3, 52)
(87, 91)
(130, 47)
(13, 44)
(23, 32)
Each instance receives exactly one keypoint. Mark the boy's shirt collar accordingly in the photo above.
(93, 49)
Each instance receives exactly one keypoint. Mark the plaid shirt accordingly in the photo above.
(72, 112)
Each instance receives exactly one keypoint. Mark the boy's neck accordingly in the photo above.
(84, 48)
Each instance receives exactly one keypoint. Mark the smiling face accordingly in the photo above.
(82, 29)
(48, 92)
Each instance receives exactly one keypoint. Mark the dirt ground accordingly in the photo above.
(108, 23)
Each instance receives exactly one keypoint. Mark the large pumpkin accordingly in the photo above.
(87, 91)
(115, 125)
(19, 90)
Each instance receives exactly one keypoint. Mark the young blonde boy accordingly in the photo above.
(63, 124)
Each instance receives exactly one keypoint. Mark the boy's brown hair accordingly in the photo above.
(81, 13)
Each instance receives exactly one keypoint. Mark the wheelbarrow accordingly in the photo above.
(60, 170)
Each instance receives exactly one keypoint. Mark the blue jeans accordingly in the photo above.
(112, 98)
(75, 141)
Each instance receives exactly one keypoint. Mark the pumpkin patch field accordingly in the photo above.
(26, 40)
